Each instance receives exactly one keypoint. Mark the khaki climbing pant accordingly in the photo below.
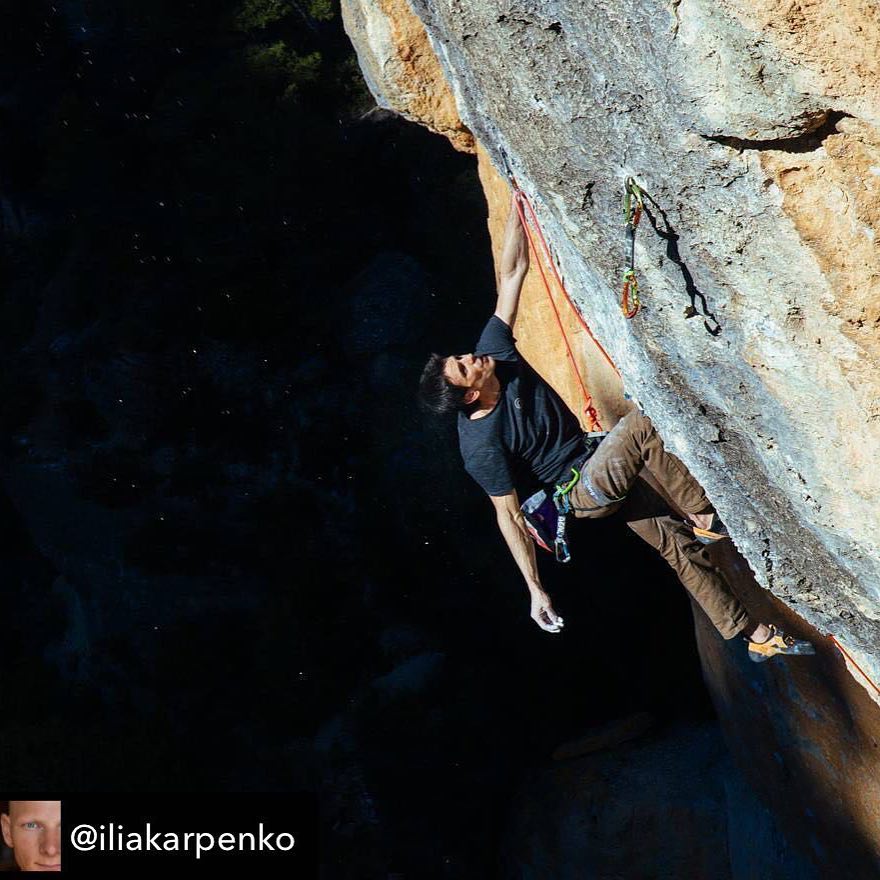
(611, 482)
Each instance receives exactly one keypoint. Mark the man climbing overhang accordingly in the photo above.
(519, 439)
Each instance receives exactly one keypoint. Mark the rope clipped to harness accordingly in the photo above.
(630, 302)
(523, 208)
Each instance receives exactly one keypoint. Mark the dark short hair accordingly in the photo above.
(436, 393)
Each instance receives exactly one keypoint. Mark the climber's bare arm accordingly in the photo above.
(512, 267)
(516, 536)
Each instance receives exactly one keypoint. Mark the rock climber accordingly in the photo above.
(516, 436)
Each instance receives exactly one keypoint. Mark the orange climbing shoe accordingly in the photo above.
(778, 643)
(717, 531)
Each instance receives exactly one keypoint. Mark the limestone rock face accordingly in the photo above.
(753, 126)
(401, 69)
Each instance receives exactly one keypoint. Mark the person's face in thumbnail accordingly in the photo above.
(33, 830)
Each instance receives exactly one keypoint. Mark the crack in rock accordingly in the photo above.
(805, 142)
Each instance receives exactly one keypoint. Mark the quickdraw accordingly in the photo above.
(630, 302)
(508, 171)
(563, 508)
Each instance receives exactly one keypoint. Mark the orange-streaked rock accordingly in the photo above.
(400, 64)
(834, 46)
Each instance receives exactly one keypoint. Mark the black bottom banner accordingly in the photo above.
(123, 835)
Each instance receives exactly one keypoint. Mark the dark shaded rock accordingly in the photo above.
(667, 807)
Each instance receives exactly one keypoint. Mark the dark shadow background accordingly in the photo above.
(234, 554)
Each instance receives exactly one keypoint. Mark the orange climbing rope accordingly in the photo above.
(851, 660)
(523, 204)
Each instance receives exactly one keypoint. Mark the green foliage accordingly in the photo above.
(279, 62)
(321, 10)
(259, 14)
(354, 94)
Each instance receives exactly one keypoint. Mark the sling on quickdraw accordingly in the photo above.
(630, 302)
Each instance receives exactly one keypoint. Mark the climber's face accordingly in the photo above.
(470, 372)
(33, 830)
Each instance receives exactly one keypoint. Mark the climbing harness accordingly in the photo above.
(545, 517)
(524, 208)
(630, 302)
(545, 514)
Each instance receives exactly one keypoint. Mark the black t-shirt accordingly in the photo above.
(531, 438)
